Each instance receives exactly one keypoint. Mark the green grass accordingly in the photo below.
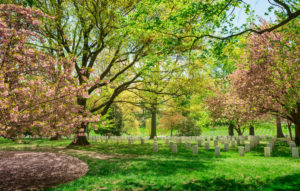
(136, 167)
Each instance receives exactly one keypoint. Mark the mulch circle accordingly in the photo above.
(20, 170)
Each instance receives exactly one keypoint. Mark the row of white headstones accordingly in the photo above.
(225, 140)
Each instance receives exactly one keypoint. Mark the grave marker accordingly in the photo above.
(295, 152)
(195, 149)
(241, 151)
(207, 145)
(217, 151)
(267, 151)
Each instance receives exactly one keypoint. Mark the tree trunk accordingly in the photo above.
(171, 132)
(296, 117)
(80, 137)
(238, 130)
(289, 126)
(56, 137)
(297, 133)
(153, 123)
(279, 129)
(231, 129)
(251, 130)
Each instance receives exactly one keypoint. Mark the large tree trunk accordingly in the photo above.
(279, 129)
(80, 138)
(231, 129)
(56, 137)
(251, 130)
(296, 117)
(289, 126)
(153, 122)
(297, 133)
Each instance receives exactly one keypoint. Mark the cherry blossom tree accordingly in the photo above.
(37, 90)
(227, 107)
(268, 76)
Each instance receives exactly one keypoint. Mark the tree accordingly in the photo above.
(170, 121)
(126, 36)
(268, 74)
(37, 90)
(278, 127)
(226, 106)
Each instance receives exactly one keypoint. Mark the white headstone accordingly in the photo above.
(174, 148)
(195, 149)
(247, 147)
(226, 146)
(217, 151)
(241, 151)
(295, 152)
(188, 145)
(199, 143)
(233, 143)
(155, 147)
(207, 145)
(171, 145)
(270, 146)
(251, 143)
(267, 151)
(215, 143)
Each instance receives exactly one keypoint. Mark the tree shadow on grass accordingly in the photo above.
(281, 149)
(221, 183)
(143, 166)
(283, 183)
(147, 150)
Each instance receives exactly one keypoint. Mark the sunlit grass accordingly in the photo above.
(136, 167)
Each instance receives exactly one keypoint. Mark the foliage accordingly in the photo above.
(170, 121)
(268, 75)
(37, 90)
(188, 127)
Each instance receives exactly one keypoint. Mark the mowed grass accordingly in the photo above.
(136, 167)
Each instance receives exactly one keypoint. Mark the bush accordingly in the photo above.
(188, 127)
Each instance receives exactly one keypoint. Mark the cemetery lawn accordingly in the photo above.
(136, 167)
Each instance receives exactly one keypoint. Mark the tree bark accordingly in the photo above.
(56, 137)
(289, 126)
(297, 133)
(153, 122)
(278, 126)
(171, 132)
(238, 130)
(251, 130)
(80, 138)
(231, 129)
(297, 124)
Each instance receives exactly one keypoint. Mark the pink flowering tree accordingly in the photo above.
(37, 90)
(269, 74)
(227, 107)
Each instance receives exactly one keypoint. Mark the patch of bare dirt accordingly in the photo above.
(20, 170)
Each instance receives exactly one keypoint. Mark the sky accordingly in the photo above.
(260, 7)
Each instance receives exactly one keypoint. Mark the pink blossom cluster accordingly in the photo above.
(38, 92)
